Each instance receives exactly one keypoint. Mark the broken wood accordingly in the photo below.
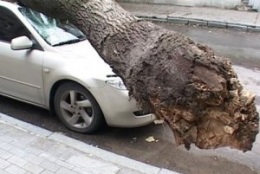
(196, 92)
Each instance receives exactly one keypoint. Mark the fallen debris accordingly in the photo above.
(151, 139)
(158, 121)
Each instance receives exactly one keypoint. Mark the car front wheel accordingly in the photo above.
(77, 108)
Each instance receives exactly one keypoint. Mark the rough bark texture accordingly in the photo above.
(183, 82)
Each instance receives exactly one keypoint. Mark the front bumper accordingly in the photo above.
(118, 109)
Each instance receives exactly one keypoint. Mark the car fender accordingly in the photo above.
(64, 73)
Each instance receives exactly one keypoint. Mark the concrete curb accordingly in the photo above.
(105, 155)
(198, 22)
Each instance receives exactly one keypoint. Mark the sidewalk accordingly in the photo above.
(27, 149)
(211, 17)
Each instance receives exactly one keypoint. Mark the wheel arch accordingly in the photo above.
(53, 90)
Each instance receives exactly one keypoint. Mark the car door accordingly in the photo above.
(20, 70)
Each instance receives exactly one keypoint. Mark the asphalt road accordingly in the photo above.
(241, 47)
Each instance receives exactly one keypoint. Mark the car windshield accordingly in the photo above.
(53, 31)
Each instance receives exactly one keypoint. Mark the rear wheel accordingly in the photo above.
(77, 108)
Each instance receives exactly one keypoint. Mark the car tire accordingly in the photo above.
(77, 108)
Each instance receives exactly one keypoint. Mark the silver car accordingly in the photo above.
(51, 64)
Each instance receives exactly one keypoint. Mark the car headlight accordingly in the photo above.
(116, 83)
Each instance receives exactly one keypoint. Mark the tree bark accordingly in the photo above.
(196, 92)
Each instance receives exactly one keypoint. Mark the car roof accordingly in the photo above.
(9, 5)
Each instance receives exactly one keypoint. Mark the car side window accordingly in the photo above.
(10, 26)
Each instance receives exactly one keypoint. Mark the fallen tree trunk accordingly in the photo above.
(196, 92)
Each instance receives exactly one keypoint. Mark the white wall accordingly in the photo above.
(255, 4)
(210, 3)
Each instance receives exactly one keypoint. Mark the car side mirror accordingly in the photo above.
(21, 43)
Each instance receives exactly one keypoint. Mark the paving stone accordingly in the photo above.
(51, 147)
(4, 163)
(5, 139)
(32, 168)
(128, 171)
(50, 166)
(5, 155)
(13, 169)
(6, 146)
(83, 162)
(3, 172)
(17, 161)
(80, 170)
(33, 150)
(17, 151)
(48, 156)
(19, 145)
(68, 171)
(97, 170)
(47, 172)
(33, 159)
(64, 164)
